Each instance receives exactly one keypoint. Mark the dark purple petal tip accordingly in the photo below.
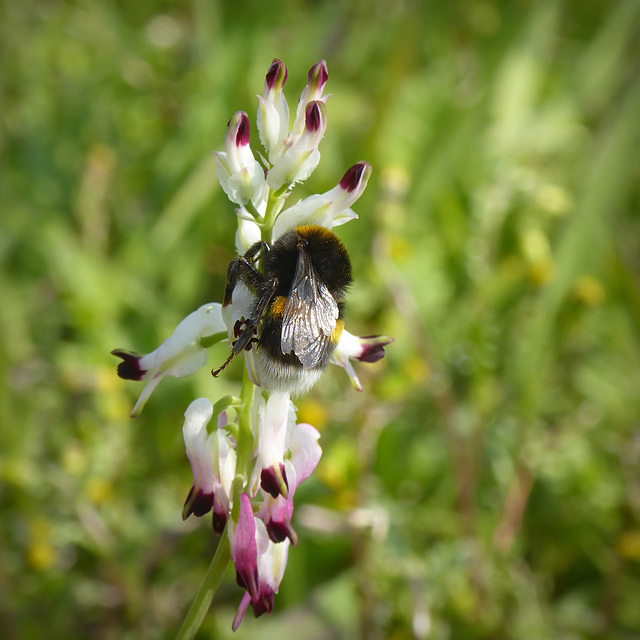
(314, 116)
(129, 368)
(263, 603)
(242, 134)
(198, 503)
(277, 74)
(351, 179)
(269, 481)
(318, 74)
(374, 351)
(278, 531)
(219, 521)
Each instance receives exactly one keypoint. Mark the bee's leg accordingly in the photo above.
(265, 290)
(241, 269)
(255, 249)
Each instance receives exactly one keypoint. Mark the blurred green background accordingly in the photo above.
(486, 484)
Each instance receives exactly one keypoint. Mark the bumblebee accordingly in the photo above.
(295, 314)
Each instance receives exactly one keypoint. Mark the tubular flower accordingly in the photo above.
(244, 546)
(304, 454)
(273, 110)
(271, 565)
(213, 463)
(316, 79)
(302, 157)
(239, 173)
(180, 355)
(364, 349)
(329, 209)
(277, 418)
(200, 454)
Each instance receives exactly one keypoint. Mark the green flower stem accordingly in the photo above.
(275, 202)
(244, 447)
(204, 597)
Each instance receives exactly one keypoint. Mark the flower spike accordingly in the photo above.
(282, 310)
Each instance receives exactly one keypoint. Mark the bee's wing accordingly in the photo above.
(310, 315)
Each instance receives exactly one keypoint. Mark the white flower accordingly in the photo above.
(273, 111)
(364, 349)
(302, 157)
(241, 176)
(329, 209)
(180, 355)
(213, 463)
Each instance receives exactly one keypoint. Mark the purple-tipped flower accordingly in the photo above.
(364, 349)
(271, 563)
(329, 209)
(273, 110)
(277, 417)
(240, 174)
(213, 462)
(179, 355)
(302, 157)
(244, 547)
(303, 456)
(194, 431)
(312, 92)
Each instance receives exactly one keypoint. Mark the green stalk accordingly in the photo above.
(208, 588)
(244, 447)
(275, 202)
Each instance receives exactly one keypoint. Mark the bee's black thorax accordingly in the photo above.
(297, 317)
(328, 256)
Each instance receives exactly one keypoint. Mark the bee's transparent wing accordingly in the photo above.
(310, 315)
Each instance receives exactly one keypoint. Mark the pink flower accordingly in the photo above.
(263, 562)
(244, 547)
(303, 456)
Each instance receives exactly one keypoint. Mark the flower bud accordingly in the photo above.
(273, 111)
(300, 159)
(316, 81)
(240, 174)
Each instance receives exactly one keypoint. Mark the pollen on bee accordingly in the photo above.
(277, 306)
(337, 331)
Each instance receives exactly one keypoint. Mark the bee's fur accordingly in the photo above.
(300, 281)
